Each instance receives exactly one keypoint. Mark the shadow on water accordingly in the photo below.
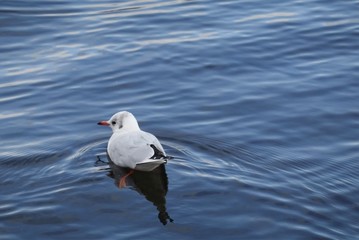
(153, 185)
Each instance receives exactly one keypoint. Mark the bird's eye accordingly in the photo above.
(113, 123)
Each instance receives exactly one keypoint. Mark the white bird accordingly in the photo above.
(131, 147)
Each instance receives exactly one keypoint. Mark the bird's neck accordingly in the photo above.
(129, 124)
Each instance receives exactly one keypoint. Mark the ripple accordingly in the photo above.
(269, 17)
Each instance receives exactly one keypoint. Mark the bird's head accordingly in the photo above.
(121, 121)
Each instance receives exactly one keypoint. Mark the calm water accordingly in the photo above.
(257, 101)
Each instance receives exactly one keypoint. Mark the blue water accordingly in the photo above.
(257, 101)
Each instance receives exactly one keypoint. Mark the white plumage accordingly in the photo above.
(131, 147)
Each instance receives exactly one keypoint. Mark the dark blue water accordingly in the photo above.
(257, 101)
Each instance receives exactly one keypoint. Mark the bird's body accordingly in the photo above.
(131, 147)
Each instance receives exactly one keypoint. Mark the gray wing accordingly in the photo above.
(133, 150)
(153, 140)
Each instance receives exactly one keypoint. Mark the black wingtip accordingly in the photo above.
(158, 154)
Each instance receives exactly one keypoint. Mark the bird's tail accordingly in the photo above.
(150, 164)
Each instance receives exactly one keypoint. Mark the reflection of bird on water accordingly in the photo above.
(152, 184)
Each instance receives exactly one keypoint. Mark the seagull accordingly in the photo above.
(131, 147)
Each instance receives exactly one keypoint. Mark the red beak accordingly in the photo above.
(103, 123)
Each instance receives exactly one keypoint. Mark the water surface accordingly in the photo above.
(256, 101)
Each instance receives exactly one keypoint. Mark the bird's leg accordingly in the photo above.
(99, 160)
(122, 182)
